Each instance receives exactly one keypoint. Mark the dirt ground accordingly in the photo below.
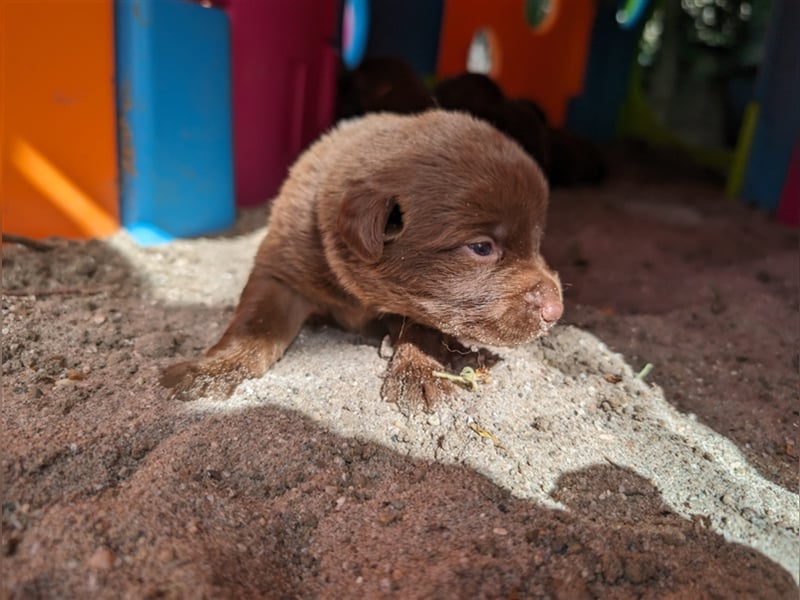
(566, 476)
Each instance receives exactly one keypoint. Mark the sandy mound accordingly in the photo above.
(565, 476)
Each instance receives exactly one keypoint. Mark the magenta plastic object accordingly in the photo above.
(789, 207)
(284, 83)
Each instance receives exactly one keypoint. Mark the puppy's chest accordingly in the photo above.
(352, 318)
(308, 273)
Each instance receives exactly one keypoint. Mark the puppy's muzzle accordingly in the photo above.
(545, 298)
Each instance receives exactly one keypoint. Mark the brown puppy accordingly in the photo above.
(424, 227)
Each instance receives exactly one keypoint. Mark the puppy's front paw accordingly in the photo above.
(410, 381)
(201, 378)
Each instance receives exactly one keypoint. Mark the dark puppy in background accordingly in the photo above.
(474, 93)
(424, 227)
(390, 84)
(380, 84)
(481, 97)
(566, 158)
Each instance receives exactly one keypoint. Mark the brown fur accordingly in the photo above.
(372, 230)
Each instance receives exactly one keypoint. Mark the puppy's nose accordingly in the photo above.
(547, 299)
(552, 311)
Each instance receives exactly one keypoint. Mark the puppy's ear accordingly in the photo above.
(367, 219)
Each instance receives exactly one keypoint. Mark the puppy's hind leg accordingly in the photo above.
(267, 319)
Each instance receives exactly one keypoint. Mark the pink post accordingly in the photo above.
(284, 80)
(789, 208)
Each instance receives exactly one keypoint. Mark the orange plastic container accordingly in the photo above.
(545, 64)
(59, 154)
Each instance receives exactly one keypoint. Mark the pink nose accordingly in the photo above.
(552, 311)
(547, 300)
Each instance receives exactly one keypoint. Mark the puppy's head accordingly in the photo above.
(447, 231)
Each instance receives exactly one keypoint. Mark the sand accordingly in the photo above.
(570, 474)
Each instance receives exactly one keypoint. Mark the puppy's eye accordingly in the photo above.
(482, 248)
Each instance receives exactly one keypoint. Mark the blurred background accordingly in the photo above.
(166, 116)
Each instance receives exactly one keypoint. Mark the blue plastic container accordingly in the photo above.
(174, 110)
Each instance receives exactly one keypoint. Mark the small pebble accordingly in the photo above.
(790, 449)
(102, 559)
(166, 555)
(386, 350)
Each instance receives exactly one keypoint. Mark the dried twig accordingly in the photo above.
(644, 372)
(467, 377)
(485, 434)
